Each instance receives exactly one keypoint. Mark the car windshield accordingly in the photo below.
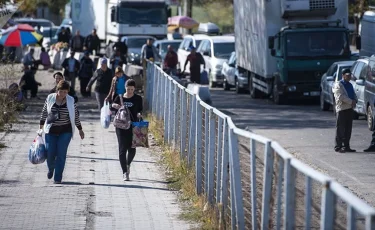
(35, 23)
(136, 42)
(314, 44)
(164, 46)
(223, 50)
(143, 16)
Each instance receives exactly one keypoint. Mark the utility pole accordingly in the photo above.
(188, 10)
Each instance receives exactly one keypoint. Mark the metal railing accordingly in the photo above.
(258, 184)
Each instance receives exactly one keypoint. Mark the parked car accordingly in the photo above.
(48, 35)
(135, 44)
(183, 50)
(162, 46)
(216, 50)
(364, 76)
(333, 74)
(34, 22)
(232, 77)
(66, 22)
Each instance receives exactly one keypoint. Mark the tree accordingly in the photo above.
(30, 6)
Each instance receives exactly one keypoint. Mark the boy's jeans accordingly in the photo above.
(57, 147)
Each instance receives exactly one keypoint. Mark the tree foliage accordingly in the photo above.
(56, 6)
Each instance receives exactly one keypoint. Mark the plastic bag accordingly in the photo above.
(37, 151)
(140, 134)
(105, 116)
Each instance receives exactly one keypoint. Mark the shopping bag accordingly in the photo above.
(37, 151)
(105, 116)
(204, 78)
(140, 134)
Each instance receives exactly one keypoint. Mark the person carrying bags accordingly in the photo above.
(58, 121)
(128, 108)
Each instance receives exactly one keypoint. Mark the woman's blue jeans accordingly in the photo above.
(57, 147)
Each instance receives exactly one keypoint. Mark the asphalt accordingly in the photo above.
(308, 133)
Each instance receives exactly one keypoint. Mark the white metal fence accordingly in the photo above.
(257, 182)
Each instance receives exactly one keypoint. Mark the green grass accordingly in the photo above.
(182, 178)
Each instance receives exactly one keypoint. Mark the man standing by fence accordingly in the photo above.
(346, 100)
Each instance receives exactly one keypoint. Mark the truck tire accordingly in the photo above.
(226, 86)
(277, 98)
(254, 92)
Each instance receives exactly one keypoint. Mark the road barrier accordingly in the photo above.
(254, 181)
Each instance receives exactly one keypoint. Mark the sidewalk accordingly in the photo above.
(93, 194)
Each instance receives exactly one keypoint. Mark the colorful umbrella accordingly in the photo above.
(19, 35)
(183, 22)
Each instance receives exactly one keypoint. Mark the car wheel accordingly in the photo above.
(370, 119)
(226, 86)
(324, 106)
(239, 90)
(355, 115)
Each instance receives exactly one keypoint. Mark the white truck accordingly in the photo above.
(116, 18)
(284, 46)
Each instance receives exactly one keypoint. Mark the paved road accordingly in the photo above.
(308, 133)
(93, 194)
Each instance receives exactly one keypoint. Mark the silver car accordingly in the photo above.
(332, 75)
(232, 77)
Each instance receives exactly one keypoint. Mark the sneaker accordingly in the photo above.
(124, 176)
(50, 174)
(127, 176)
(57, 182)
(128, 169)
(337, 149)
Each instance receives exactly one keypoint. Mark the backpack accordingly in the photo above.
(122, 119)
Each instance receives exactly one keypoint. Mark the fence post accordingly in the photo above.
(279, 192)
(253, 183)
(289, 186)
(328, 207)
(211, 156)
(176, 116)
(235, 182)
(162, 95)
(219, 158)
(183, 114)
(170, 111)
(192, 132)
(267, 185)
(166, 109)
(308, 196)
(225, 165)
(198, 147)
(206, 140)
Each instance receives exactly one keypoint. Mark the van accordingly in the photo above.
(216, 50)
(183, 50)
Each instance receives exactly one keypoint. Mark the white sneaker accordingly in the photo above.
(127, 176)
(124, 177)
(128, 169)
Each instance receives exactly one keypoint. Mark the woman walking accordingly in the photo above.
(118, 85)
(58, 120)
(124, 136)
(59, 77)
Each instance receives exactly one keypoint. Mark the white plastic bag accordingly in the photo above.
(37, 151)
(105, 116)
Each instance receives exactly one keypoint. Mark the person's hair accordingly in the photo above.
(118, 70)
(130, 82)
(58, 73)
(63, 85)
(43, 49)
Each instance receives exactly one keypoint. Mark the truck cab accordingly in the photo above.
(303, 52)
(135, 18)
